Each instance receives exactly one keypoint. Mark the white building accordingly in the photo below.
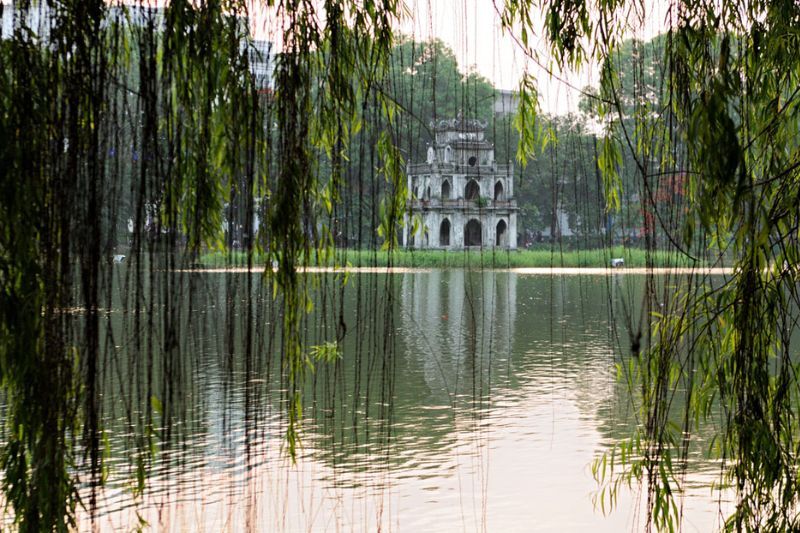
(262, 64)
(461, 195)
(506, 103)
(41, 19)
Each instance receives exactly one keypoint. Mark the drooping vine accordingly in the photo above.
(722, 122)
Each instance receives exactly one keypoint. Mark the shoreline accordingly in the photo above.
(526, 271)
(523, 261)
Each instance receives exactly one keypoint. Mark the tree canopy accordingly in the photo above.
(725, 122)
(159, 121)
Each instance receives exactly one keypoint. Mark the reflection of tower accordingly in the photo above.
(455, 323)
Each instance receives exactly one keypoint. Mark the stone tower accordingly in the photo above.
(461, 195)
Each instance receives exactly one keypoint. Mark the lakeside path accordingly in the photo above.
(530, 271)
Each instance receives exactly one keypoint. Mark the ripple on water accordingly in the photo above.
(498, 437)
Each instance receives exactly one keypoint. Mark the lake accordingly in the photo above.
(463, 401)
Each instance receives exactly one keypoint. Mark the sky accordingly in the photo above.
(473, 30)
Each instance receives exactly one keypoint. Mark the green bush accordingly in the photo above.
(537, 258)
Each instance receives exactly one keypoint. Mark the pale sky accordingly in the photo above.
(472, 29)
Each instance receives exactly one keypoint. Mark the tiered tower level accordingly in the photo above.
(461, 195)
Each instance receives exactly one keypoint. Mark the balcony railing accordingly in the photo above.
(435, 203)
(455, 168)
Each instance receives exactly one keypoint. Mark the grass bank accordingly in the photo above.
(541, 258)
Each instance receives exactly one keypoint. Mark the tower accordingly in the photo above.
(460, 194)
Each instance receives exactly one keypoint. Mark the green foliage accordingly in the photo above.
(609, 162)
(426, 83)
(327, 353)
(714, 103)
(546, 256)
(39, 363)
(355, 40)
(162, 125)
(525, 120)
(151, 117)
(393, 204)
(561, 179)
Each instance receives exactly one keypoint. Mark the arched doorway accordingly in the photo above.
(446, 190)
(498, 191)
(472, 233)
(472, 191)
(444, 233)
(501, 234)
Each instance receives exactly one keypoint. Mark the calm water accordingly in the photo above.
(463, 402)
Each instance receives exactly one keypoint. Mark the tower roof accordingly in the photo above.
(458, 124)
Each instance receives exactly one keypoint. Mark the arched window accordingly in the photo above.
(473, 233)
(472, 191)
(444, 233)
(501, 234)
(498, 190)
(447, 154)
(446, 190)
(428, 193)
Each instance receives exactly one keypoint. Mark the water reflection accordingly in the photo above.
(464, 401)
(454, 325)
